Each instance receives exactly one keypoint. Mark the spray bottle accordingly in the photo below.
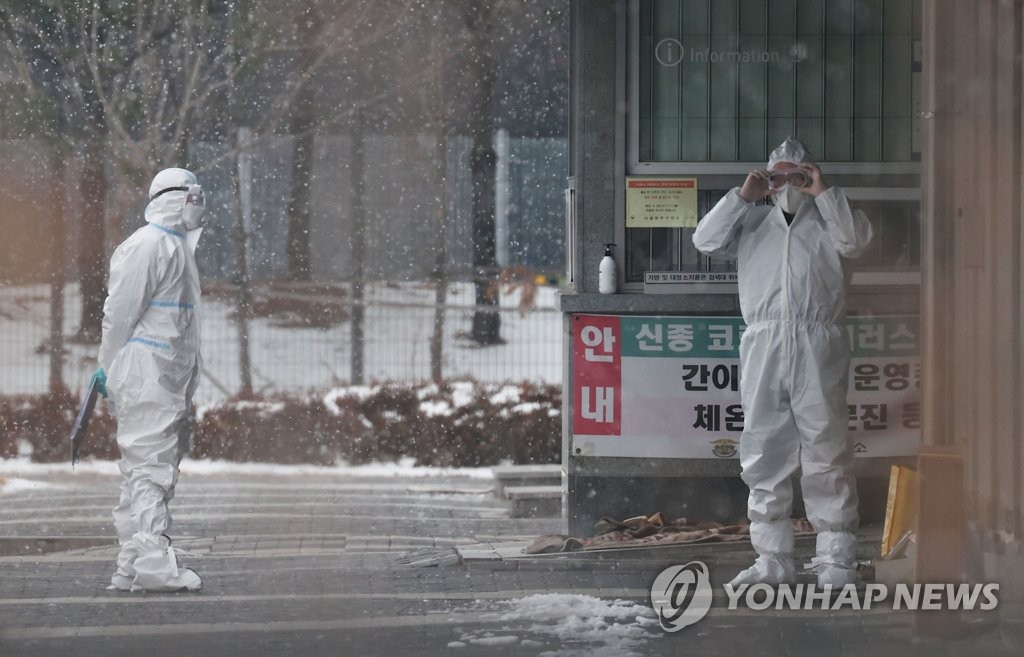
(607, 278)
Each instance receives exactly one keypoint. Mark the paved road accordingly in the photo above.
(324, 564)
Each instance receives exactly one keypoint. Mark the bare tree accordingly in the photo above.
(40, 44)
(309, 26)
(126, 80)
(439, 124)
(133, 81)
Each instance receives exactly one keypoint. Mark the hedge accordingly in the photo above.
(458, 424)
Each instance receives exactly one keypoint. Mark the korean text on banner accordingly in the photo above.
(597, 375)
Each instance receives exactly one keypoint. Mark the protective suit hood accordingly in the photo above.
(176, 202)
(790, 150)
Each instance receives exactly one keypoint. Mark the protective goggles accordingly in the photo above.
(194, 194)
(796, 178)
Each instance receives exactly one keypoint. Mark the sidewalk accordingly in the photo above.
(337, 564)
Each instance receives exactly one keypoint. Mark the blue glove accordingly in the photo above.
(100, 377)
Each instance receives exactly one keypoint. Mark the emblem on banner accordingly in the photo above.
(724, 448)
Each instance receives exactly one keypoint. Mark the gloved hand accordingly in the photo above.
(100, 377)
(817, 185)
(755, 187)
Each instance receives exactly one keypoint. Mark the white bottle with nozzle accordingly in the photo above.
(607, 278)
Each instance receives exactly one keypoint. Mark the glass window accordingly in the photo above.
(896, 246)
(717, 84)
(725, 81)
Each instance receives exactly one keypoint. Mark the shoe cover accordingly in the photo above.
(188, 580)
(835, 563)
(119, 582)
(775, 569)
(836, 576)
(156, 568)
(836, 548)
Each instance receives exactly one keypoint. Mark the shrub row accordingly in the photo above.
(40, 424)
(462, 423)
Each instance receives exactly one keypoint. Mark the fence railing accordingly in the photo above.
(302, 341)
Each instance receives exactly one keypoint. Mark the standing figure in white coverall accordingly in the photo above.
(793, 265)
(149, 363)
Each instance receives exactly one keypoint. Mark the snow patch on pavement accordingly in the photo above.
(23, 465)
(492, 640)
(404, 467)
(584, 625)
(18, 485)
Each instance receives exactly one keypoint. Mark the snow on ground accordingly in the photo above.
(586, 626)
(298, 359)
(404, 467)
(20, 485)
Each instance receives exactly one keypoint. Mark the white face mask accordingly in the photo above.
(195, 207)
(789, 198)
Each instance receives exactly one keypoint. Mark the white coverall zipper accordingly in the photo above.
(785, 291)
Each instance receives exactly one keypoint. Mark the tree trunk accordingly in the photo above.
(301, 128)
(92, 262)
(358, 251)
(486, 324)
(299, 265)
(57, 254)
(243, 302)
(486, 329)
(441, 125)
(440, 259)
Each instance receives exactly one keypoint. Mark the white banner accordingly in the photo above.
(668, 387)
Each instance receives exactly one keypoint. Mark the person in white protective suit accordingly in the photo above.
(149, 364)
(793, 266)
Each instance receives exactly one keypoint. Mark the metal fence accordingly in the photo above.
(399, 327)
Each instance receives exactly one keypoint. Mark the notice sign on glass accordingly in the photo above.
(661, 202)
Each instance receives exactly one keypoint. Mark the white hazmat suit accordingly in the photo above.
(150, 352)
(794, 358)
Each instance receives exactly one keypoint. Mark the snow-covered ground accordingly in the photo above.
(21, 474)
(585, 625)
(11, 485)
(300, 359)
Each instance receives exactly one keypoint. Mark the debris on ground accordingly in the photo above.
(655, 529)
